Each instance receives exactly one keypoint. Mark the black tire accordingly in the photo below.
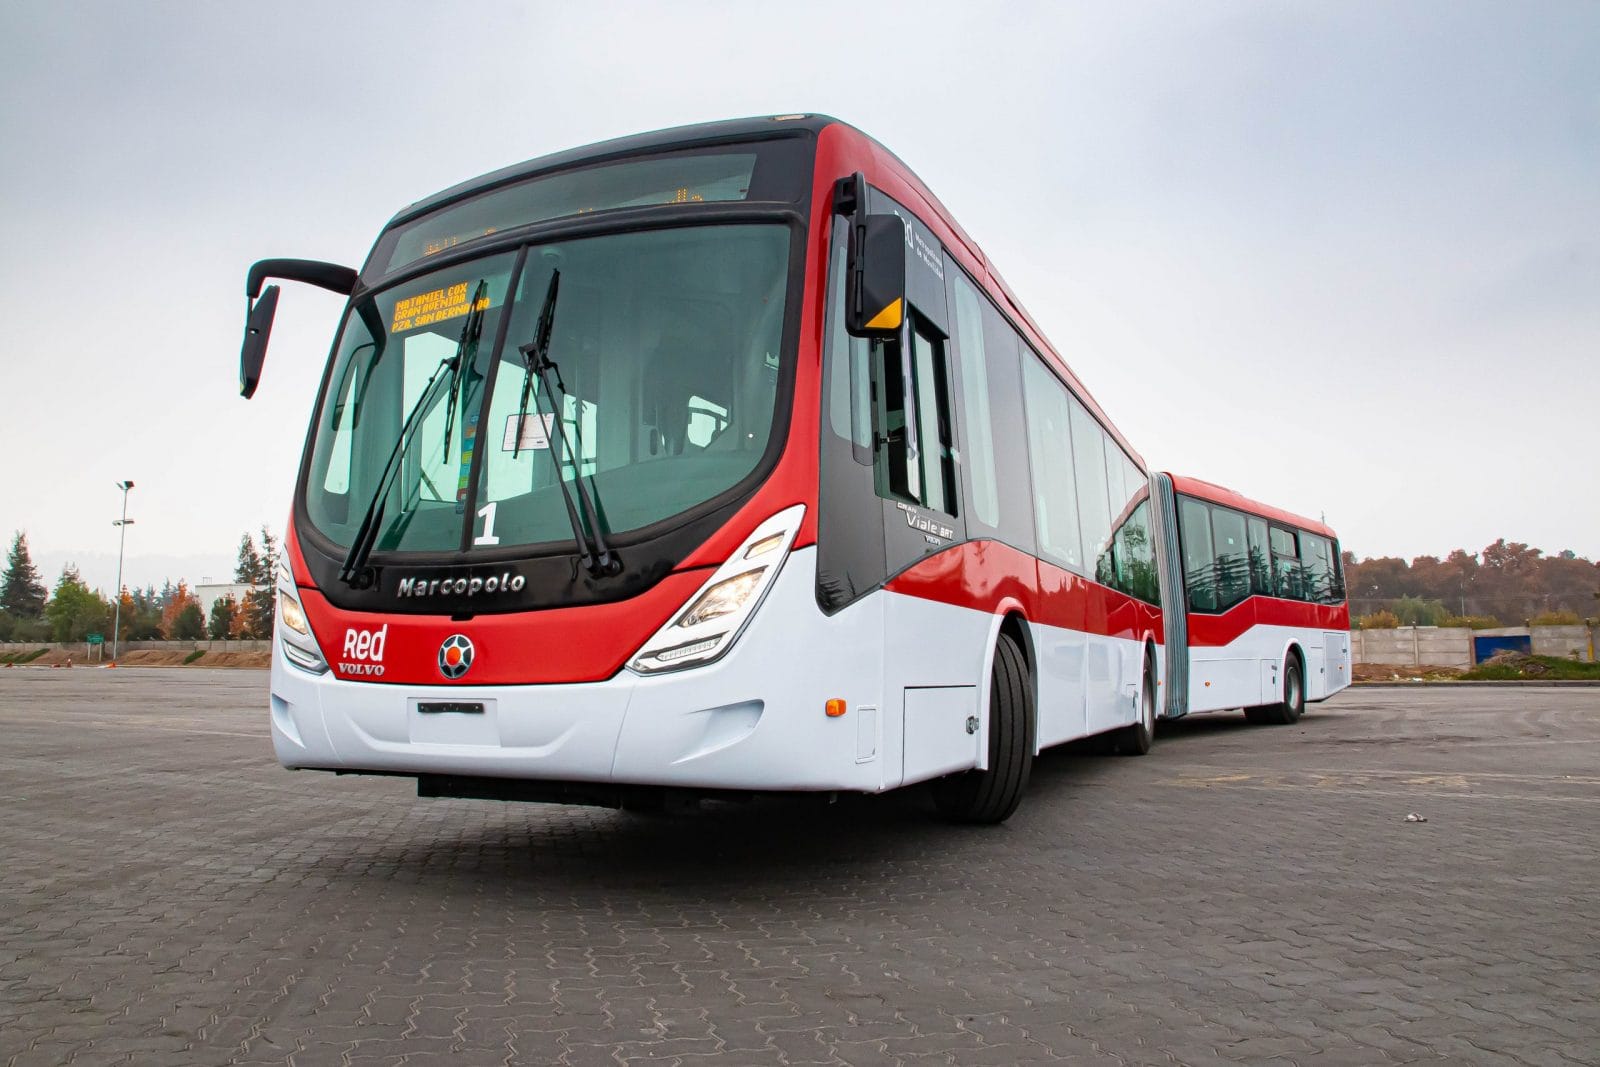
(989, 797)
(1294, 699)
(1137, 740)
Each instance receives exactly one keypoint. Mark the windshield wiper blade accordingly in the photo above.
(466, 354)
(597, 557)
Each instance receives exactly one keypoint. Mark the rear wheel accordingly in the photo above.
(990, 796)
(1137, 739)
(1294, 699)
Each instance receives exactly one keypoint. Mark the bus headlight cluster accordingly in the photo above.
(720, 610)
(294, 631)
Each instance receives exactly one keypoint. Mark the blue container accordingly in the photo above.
(1484, 647)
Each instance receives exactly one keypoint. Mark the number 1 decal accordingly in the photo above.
(486, 513)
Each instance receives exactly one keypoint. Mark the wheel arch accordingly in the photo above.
(1011, 621)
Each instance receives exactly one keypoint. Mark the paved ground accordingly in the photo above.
(168, 895)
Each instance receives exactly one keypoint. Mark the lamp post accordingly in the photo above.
(122, 525)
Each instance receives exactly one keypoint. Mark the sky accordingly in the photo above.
(1343, 257)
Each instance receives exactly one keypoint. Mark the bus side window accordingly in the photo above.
(1286, 575)
(1199, 562)
(1260, 557)
(915, 455)
(1316, 567)
(1233, 565)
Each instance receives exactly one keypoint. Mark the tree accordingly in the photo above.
(22, 594)
(258, 610)
(248, 569)
(190, 623)
(177, 602)
(220, 626)
(74, 610)
(269, 557)
(258, 568)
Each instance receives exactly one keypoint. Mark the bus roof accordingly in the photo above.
(1218, 494)
(933, 212)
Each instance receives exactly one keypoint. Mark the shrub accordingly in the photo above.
(1378, 620)
(1472, 622)
(191, 657)
(1556, 618)
(1414, 611)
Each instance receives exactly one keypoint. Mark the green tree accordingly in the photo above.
(249, 567)
(258, 567)
(22, 594)
(75, 610)
(190, 622)
(259, 608)
(269, 557)
(220, 625)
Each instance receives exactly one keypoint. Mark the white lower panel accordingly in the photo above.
(941, 731)
(753, 720)
(1248, 671)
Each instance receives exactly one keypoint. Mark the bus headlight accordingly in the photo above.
(720, 610)
(294, 630)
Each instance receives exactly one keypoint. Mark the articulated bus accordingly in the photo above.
(720, 460)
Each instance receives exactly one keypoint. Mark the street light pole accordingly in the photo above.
(122, 525)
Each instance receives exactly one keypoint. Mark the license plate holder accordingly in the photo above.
(450, 707)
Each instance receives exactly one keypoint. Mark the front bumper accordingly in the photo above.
(753, 720)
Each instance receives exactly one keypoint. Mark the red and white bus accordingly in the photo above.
(717, 458)
(1255, 616)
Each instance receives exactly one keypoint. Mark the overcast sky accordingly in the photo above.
(1343, 257)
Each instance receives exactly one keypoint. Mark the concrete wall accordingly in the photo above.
(1442, 646)
(80, 648)
(1413, 646)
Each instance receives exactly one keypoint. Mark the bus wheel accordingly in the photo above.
(991, 796)
(1294, 699)
(1136, 740)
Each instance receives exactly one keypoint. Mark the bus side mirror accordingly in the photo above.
(876, 276)
(257, 329)
(260, 307)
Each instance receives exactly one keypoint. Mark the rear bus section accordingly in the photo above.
(1255, 607)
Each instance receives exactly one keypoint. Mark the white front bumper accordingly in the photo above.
(752, 720)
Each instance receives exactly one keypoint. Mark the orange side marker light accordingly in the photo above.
(835, 708)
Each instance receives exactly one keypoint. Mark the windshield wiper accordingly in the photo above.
(466, 354)
(355, 573)
(597, 556)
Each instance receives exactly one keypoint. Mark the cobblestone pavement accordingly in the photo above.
(169, 895)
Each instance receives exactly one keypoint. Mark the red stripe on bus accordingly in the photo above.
(984, 575)
(1215, 631)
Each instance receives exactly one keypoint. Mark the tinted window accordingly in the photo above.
(1316, 567)
(935, 451)
(977, 425)
(1136, 557)
(1089, 464)
(1199, 563)
(1003, 355)
(1286, 573)
(1055, 497)
(1231, 554)
(1260, 557)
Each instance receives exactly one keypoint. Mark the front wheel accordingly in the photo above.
(990, 796)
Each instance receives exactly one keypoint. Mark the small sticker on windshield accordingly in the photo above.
(535, 433)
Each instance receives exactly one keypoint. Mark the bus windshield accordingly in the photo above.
(666, 347)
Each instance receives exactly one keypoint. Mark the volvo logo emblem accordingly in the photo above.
(455, 656)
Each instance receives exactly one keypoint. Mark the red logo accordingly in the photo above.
(455, 656)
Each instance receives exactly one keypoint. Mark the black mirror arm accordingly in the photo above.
(331, 276)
